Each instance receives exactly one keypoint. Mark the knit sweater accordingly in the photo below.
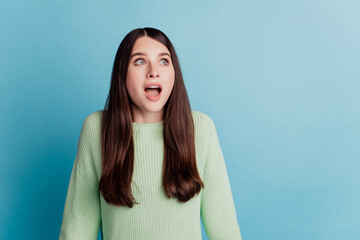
(156, 216)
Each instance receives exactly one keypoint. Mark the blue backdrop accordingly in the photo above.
(279, 78)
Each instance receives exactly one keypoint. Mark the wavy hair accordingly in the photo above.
(180, 176)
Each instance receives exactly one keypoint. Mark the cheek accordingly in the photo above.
(172, 80)
(130, 87)
(170, 85)
(129, 77)
(132, 82)
(170, 77)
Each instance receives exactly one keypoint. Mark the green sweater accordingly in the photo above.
(156, 216)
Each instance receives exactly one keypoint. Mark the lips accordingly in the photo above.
(153, 91)
(152, 96)
(153, 84)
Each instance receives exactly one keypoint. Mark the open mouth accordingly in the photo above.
(153, 90)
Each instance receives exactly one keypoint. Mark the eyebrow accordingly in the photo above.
(144, 54)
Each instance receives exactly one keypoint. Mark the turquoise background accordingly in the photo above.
(280, 79)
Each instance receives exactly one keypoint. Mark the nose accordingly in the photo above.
(152, 73)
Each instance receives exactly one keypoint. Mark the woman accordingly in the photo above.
(147, 167)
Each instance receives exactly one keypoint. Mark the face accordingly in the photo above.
(150, 79)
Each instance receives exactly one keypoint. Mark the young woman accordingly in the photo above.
(147, 166)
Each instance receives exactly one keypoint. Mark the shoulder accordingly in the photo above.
(204, 126)
(94, 117)
(206, 137)
(93, 121)
(202, 119)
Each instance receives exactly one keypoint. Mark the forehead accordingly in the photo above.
(148, 45)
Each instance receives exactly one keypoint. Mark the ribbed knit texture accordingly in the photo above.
(156, 217)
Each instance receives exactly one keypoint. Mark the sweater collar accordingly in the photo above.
(148, 127)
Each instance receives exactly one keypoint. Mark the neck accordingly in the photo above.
(139, 116)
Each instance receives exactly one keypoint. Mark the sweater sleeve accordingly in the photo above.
(81, 216)
(217, 206)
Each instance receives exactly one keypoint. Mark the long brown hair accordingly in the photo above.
(180, 176)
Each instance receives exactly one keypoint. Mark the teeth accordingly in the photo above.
(153, 87)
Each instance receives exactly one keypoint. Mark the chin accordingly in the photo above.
(155, 110)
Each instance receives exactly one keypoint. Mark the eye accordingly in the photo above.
(164, 61)
(139, 61)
